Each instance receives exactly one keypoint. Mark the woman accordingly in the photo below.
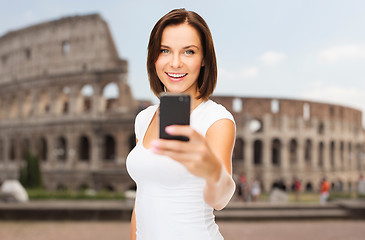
(180, 183)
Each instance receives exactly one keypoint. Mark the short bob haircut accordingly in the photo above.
(207, 79)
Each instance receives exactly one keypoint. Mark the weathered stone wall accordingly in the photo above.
(287, 138)
(54, 77)
(68, 45)
(54, 81)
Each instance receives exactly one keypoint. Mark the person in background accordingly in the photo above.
(339, 185)
(361, 185)
(297, 185)
(324, 191)
(242, 188)
(255, 190)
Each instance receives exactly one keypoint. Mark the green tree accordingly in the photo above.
(30, 174)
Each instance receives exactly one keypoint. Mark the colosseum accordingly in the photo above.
(282, 139)
(55, 101)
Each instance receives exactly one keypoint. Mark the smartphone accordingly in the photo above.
(174, 110)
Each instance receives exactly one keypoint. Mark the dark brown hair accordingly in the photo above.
(208, 73)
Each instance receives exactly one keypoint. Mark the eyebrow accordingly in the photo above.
(189, 46)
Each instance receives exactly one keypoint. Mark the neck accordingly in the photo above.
(195, 102)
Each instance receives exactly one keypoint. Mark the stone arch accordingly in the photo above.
(63, 100)
(2, 158)
(257, 150)
(42, 149)
(342, 154)
(332, 153)
(43, 106)
(321, 155)
(109, 147)
(238, 150)
(25, 148)
(349, 149)
(276, 152)
(84, 148)
(358, 156)
(321, 128)
(84, 98)
(61, 149)
(110, 93)
(12, 149)
(308, 151)
(13, 107)
(27, 104)
(293, 151)
(2, 108)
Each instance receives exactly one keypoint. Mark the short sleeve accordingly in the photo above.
(210, 113)
(137, 126)
(142, 121)
(218, 113)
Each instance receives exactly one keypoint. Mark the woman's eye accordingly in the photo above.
(164, 51)
(189, 52)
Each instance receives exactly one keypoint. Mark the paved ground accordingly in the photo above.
(298, 230)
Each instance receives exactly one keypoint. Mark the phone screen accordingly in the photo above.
(174, 110)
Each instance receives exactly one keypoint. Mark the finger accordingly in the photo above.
(178, 149)
(189, 160)
(182, 157)
(171, 145)
(182, 130)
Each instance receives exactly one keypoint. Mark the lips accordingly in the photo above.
(176, 76)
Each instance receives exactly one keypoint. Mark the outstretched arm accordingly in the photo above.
(133, 225)
(221, 138)
(207, 157)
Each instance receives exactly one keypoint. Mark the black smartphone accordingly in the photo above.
(174, 110)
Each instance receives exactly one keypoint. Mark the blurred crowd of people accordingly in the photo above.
(248, 192)
(251, 191)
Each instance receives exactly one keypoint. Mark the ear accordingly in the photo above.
(203, 63)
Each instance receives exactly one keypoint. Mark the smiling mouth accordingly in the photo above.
(176, 76)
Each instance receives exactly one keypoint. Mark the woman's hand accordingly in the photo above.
(195, 154)
(207, 157)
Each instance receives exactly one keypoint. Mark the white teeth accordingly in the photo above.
(175, 75)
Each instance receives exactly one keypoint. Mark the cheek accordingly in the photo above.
(196, 66)
(159, 68)
(158, 65)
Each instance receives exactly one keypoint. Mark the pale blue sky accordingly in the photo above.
(302, 49)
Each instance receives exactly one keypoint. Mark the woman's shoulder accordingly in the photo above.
(142, 119)
(146, 113)
(209, 113)
(216, 110)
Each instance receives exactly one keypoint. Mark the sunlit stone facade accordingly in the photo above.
(64, 96)
(288, 138)
(56, 100)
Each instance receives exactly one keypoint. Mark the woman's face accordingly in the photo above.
(180, 60)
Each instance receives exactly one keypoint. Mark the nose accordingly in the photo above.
(176, 61)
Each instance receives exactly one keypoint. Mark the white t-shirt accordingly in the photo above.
(169, 203)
